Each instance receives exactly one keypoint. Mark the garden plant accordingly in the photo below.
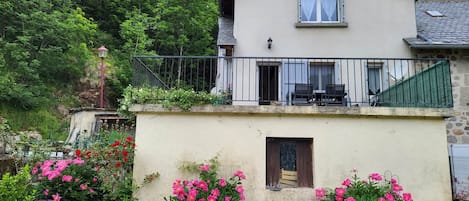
(375, 188)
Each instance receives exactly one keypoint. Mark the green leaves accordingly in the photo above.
(18, 187)
(181, 98)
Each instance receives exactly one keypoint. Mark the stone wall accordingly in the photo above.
(457, 127)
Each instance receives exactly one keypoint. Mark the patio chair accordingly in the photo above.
(303, 94)
(335, 95)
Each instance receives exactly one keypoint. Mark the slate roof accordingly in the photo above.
(450, 31)
(225, 32)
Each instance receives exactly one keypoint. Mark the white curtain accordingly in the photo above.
(329, 7)
(308, 10)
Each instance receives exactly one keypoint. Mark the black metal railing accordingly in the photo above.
(390, 82)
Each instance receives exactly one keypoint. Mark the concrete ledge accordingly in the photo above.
(301, 110)
(321, 25)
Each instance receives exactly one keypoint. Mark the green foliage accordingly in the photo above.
(181, 98)
(18, 187)
(373, 189)
(178, 34)
(41, 119)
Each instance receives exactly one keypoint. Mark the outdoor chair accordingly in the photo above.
(303, 94)
(335, 95)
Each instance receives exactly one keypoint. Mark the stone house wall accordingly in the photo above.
(457, 127)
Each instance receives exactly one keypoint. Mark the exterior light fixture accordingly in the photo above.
(102, 53)
(269, 43)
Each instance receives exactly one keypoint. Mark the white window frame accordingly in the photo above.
(340, 13)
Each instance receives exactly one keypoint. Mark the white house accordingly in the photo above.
(277, 60)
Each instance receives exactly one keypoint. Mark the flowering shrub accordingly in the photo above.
(374, 189)
(67, 179)
(209, 187)
(103, 172)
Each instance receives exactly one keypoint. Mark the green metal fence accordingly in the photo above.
(428, 88)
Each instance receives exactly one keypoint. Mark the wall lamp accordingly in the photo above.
(269, 43)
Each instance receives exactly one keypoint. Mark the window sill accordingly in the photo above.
(321, 25)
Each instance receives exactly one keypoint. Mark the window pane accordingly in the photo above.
(321, 75)
(314, 77)
(329, 10)
(373, 81)
(308, 10)
(327, 76)
(288, 156)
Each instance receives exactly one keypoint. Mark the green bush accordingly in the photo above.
(181, 98)
(18, 187)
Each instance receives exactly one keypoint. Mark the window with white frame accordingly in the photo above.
(321, 74)
(319, 11)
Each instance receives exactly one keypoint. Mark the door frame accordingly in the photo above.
(259, 64)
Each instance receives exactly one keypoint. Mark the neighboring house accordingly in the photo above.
(443, 32)
(281, 65)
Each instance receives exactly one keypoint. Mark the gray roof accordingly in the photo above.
(449, 31)
(225, 32)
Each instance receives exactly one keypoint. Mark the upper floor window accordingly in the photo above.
(316, 11)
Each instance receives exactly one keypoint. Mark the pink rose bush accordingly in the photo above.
(103, 172)
(209, 187)
(65, 179)
(376, 188)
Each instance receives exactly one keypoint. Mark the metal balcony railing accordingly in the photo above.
(389, 82)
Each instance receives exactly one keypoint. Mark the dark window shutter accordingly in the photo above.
(272, 163)
(304, 160)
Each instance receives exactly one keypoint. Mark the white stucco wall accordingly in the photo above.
(368, 139)
(375, 29)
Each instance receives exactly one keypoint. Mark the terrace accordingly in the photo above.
(345, 82)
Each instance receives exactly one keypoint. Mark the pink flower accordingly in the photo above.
(241, 196)
(78, 161)
(215, 192)
(340, 192)
(91, 190)
(346, 182)
(203, 186)
(56, 197)
(61, 165)
(396, 187)
(95, 180)
(240, 174)
(77, 180)
(34, 171)
(393, 181)
(192, 194)
(67, 178)
(83, 186)
(407, 197)
(337, 198)
(53, 174)
(204, 168)
(320, 193)
(201, 199)
(240, 189)
(389, 197)
(381, 199)
(350, 199)
(376, 177)
(46, 192)
(227, 198)
(211, 198)
(222, 182)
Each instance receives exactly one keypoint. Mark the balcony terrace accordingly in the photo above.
(376, 82)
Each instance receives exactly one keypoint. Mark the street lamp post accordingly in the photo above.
(102, 53)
